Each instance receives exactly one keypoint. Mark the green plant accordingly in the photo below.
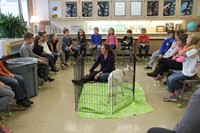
(11, 26)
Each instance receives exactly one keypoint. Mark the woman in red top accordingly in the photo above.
(16, 82)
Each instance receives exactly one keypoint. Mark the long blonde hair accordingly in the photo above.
(194, 39)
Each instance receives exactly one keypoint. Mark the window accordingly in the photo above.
(12, 6)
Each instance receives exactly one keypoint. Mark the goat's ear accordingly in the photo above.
(127, 65)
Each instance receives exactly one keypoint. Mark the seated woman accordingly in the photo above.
(164, 64)
(107, 61)
(6, 95)
(16, 82)
(38, 50)
(54, 48)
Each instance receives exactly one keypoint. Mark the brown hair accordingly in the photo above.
(183, 38)
(110, 51)
(65, 30)
(111, 28)
(144, 29)
(81, 30)
(28, 35)
(96, 28)
(129, 31)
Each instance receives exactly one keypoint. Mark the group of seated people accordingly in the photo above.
(179, 52)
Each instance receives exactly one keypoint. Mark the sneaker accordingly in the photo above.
(66, 64)
(62, 65)
(148, 67)
(171, 98)
(28, 100)
(151, 74)
(77, 82)
(49, 79)
(23, 103)
(55, 70)
(159, 77)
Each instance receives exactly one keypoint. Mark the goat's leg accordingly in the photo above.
(109, 92)
(114, 95)
(121, 90)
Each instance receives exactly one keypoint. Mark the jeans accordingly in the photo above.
(102, 77)
(125, 46)
(66, 51)
(159, 130)
(55, 57)
(153, 58)
(17, 85)
(82, 48)
(174, 81)
(98, 48)
(62, 58)
(113, 46)
(146, 50)
(6, 96)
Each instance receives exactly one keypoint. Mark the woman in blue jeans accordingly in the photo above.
(107, 61)
(16, 82)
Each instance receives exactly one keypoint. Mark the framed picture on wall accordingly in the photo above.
(160, 28)
(169, 26)
(103, 8)
(87, 8)
(55, 9)
(119, 8)
(152, 7)
(186, 7)
(169, 8)
(136, 8)
(71, 9)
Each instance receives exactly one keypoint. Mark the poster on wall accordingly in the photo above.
(55, 9)
(103, 8)
(71, 9)
(136, 8)
(169, 26)
(152, 8)
(119, 8)
(186, 7)
(87, 9)
(169, 8)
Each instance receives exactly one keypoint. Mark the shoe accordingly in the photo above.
(151, 74)
(148, 67)
(23, 103)
(50, 79)
(66, 64)
(28, 100)
(171, 98)
(77, 82)
(62, 65)
(159, 77)
(55, 70)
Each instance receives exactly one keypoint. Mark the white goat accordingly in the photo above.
(115, 79)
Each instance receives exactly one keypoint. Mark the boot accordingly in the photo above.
(155, 72)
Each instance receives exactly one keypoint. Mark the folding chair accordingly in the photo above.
(190, 83)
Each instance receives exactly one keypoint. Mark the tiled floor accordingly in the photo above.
(53, 110)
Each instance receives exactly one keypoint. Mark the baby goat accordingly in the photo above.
(115, 79)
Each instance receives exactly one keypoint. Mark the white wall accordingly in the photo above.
(41, 9)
